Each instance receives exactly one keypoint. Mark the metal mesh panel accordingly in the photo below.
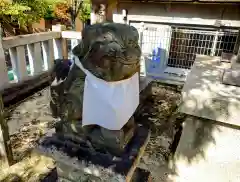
(180, 45)
(186, 43)
(156, 37)
(226, 42)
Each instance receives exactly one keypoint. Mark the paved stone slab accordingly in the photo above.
(207, 152)
(204, 95)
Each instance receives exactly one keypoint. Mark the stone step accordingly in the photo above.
(208, 151)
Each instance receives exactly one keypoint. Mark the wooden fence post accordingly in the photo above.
(59, 45)
(3, 65)
(237, 46)
(236, 49)
(142, 63)
(6, 156)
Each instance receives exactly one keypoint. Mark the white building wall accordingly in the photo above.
(201, 14)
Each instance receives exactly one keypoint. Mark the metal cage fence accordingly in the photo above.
(178, 46)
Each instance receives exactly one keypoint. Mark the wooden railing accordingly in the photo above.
(37, 46)
(26, 60)
(36, 51)
(25, 63)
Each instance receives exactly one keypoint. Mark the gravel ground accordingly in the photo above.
(28, 121)
(160, 114)
(31, 119)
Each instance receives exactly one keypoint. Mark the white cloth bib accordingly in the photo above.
(108, 104)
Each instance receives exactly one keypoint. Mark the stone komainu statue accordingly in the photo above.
(110, 51)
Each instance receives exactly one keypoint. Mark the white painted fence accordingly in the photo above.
(169, 51)
(40, 49)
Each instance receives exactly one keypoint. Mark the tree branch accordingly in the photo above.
(78, 8)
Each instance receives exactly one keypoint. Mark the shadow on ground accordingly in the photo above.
(27, 122)
(160, 114)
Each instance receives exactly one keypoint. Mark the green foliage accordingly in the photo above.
(38, 9)
(9, 9)
(51, 6)
(12, 9)
(49, 14)
(27, 11)
(68, 10)
(85, 10)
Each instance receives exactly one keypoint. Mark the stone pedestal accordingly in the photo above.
(98, 138)
(78, 161)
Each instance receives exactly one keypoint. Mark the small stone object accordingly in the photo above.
(227, 57)
(231, 77)
(235, 62)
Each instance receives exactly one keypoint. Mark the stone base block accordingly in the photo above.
(208, 151)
